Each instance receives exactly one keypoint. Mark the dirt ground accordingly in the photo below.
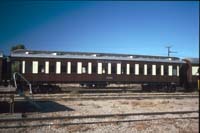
(90, 107)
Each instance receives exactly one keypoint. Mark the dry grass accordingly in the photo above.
(95, 105)
(190, 128)
(143, 104)
(80, 104)
(78, 128)
(114, 106)
(164, 102)
(123, 102)
(135, 103)
(141, 126)
(147, 104)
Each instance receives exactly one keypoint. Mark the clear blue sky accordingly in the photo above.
(113, 27)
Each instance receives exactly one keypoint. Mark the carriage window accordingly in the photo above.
(23, 66)
(195, 70)
(35, 66)
(118, 68)
(46, 67)
(109, 68)
(28, 67)
(177, 70)
(99, 68)
(89, 68)
(58, 67)
(145, 69)
(84, 70)
(170, 70)
(68, 67)
(128, 69)
(162, 70)
(79, 67)
(136, 69)
(153, 69)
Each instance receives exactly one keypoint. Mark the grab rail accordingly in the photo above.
(14, 77)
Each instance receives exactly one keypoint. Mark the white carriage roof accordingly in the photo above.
(87, 55)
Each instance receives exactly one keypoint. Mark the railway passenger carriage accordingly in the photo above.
(98, 69)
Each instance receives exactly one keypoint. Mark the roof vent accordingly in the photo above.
(131, 57)
(54, 53)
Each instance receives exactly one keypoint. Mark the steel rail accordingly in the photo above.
(116, 94)
(95, 122)
(78, 98)
(97, 116)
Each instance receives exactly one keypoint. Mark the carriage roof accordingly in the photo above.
(87, 55)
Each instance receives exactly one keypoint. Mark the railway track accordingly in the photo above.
(107, 90)
(95, 119)
(103, 94)
(110, 96)
(116, 89)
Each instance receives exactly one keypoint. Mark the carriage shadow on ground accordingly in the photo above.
(26, 107)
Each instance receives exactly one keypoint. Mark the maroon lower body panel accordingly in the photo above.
(113, 78)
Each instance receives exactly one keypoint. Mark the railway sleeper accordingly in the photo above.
(159, 87)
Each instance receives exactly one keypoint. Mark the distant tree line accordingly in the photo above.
(19, 46)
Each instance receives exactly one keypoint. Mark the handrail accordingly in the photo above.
(14, 77)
